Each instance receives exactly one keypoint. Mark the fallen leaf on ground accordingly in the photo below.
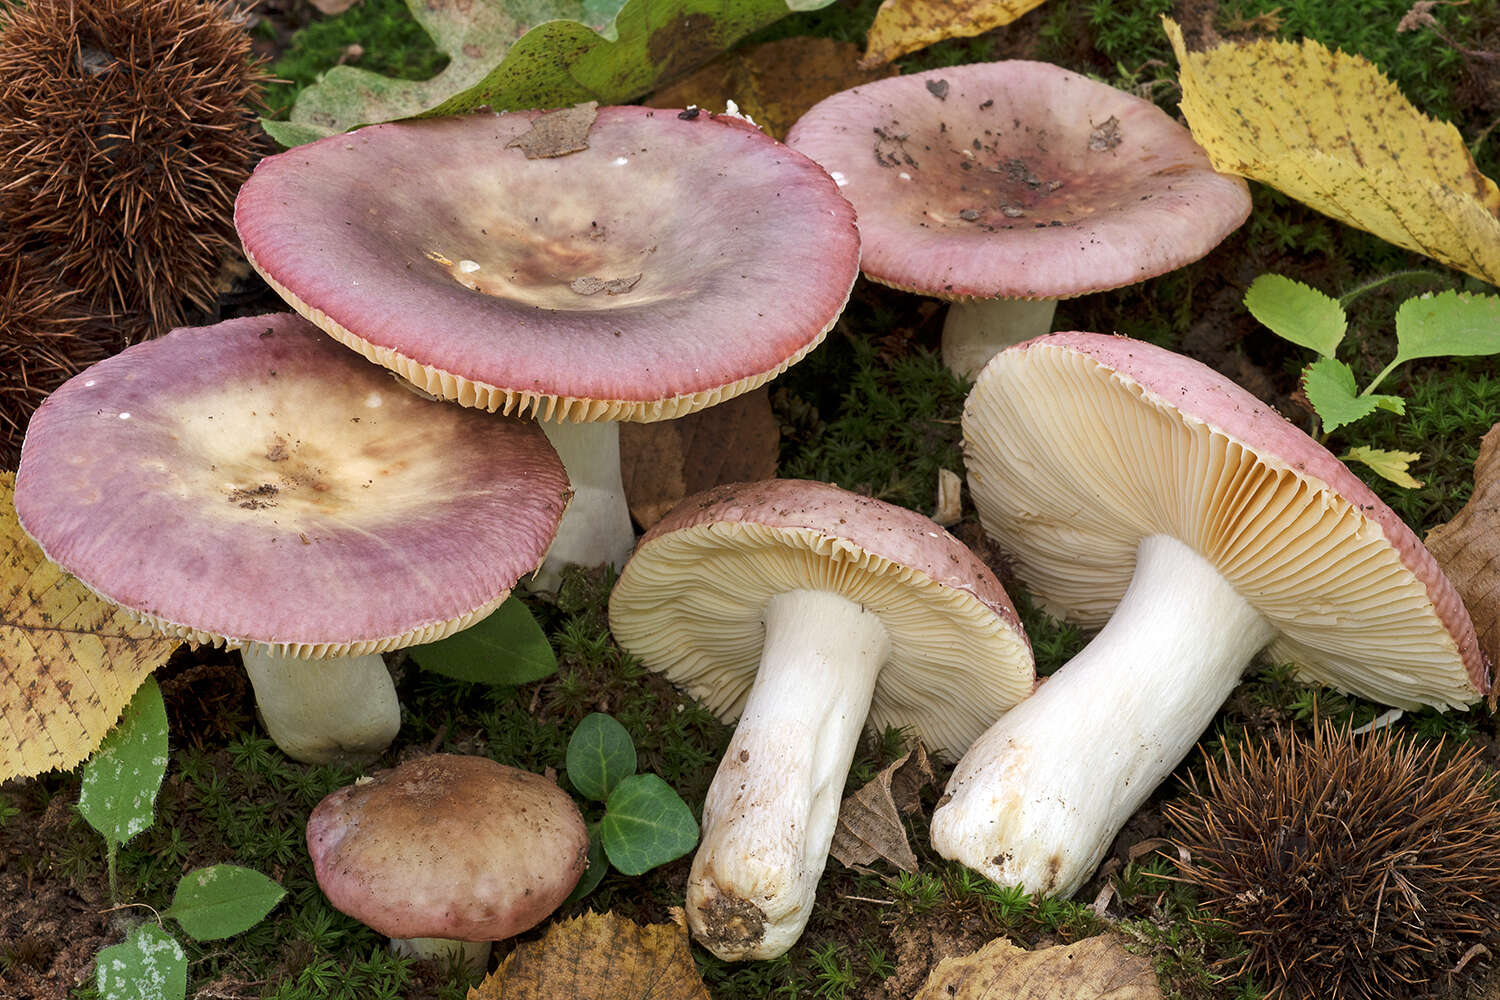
(662, 462)
(558, 133)
(774, 82)
(601, 957)
(1468, 547)
(513, 54)
(69, 661)
(1328, 129)
(869, 826)
(1096, 968)
(903, 26)
(328, 8)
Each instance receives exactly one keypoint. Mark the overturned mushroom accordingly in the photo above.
(253, 484)
(1140, 490)
(803, 610)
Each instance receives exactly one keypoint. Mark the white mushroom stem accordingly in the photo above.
(336, 711)
(596, 528)
(1036, 801)
(977, 330)
(475, 955)
(770, 813)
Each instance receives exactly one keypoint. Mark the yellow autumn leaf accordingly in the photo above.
(69, 662)
(903, 26)
(598, 956)
(1329, 130)
(1096, 968)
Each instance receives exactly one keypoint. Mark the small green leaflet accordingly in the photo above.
(1391, 465)
(1295, 312)
(120, 782)
(1448, 324)
(221, 901)
(508, 647)
(149, 965)
(646, 824)
(595, 872)
(601, 754)
(1329, 385)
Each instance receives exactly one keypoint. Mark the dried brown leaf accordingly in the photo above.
(1096, 968)
(558, 133)
(602, 957)
(903, 26)
(869, 826)
(69, 661)
(1468, 547)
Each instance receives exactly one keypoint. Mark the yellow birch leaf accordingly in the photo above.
(903, 26)
(602, 957)
(1096, 968)
(69, 661)
(1329, 130)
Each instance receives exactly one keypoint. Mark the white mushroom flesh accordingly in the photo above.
(336, 711)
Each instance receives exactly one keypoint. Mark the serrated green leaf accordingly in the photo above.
(120, 782)
(600, 755)
(646, 824)
(1391, 465)
(148, 965)
(1394, 404)
(220, 901)
(595, 872)
(1448, 324)
(508, 647)
(554, 63)
(1295, 312)
(1329, 385)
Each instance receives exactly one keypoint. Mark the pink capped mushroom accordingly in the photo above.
(448, 853)
(1139, 490)
(1003, 187)
(804, 611)
(252, 484)
(676, 261)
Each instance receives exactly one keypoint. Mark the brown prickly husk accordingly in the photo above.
(1350, 866)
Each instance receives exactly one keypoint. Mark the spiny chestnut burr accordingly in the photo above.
(1363, 866)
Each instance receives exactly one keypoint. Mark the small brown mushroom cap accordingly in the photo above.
(675, 262)
(1080, 445)
(448, 846)
(1017, 179)
(253, 482)
(691, 599)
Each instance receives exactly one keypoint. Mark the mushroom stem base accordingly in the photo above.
(474, 955)
(1037, 800)
(336, 711)
(596, 528)
(977, 330)
(770, 814)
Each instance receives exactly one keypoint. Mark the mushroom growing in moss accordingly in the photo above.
(1349, 865)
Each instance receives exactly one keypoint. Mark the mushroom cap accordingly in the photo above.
(690, 602)
(1017, 179)
(253, 482)
(435, 249)
(1080, 445)
(448, 846)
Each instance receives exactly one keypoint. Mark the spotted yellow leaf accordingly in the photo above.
(903, 26)
(69, 662)
(1328, 129)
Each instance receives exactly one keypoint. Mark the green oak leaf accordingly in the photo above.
(220, 901)
(570, 51)
(1391, 465)
(1448, 324)
(1330, 388)
(1295, 312)
(507, 647)
(600, 755)
(120, 782)
(646, 824)
(148, 965)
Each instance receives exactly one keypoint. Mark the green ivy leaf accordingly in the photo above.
(556, 62)
(148, 965)
(120, 782)
(1391, 465)
(1448, 324)
(220, 901)
(1295, 312)
(1329, 385)
(600, 755)
(646, 824)
(508, 647)
(595, 872)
